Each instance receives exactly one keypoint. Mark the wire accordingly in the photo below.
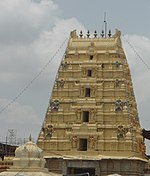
(137, 54)
(86, 173)
(34, 78)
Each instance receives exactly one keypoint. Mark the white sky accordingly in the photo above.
(30, 33)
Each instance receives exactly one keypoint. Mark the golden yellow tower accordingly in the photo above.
(92, 124)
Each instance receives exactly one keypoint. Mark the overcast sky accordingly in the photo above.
(31, 31)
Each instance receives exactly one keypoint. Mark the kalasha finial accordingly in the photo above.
(95, 33)
(109, 33)
(88, 34)
(30, 138)
(102, 34)
(81, 34)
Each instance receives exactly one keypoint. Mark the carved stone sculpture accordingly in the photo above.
(121, 132)
(74, 141)
(119, 105)
(60, 83)
(48, 131)
(54, 105)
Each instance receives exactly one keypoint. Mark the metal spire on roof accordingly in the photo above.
(105, 23)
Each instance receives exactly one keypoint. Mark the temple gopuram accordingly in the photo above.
(92, 124)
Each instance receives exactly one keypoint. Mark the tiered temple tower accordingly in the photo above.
(92, 123)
